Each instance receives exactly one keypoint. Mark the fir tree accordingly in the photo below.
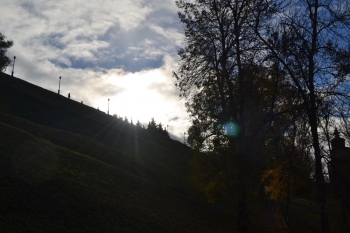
(160, 128)
(152, 126)
(126, 120)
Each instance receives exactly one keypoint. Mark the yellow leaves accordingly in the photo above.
(276, 179)
(216, 188)
(212, 176)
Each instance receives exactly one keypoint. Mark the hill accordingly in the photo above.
(67, 167)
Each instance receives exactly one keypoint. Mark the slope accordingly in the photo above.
(159, 154)
(49, 188)
(66, 167)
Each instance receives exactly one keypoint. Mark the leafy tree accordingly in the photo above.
(307, 43)
(290, 161)
(5, 61)
(219, 77)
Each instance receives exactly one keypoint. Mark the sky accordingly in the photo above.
(121, 50)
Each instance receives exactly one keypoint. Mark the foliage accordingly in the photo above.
(126, 120)
(310, 47)
(246, 66)
(289, 173)
(231, 95)
(5, 61)
(138, 124)
(157, 128)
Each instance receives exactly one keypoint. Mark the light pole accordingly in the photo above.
(59, 85)
(13, 67)
(108, 108)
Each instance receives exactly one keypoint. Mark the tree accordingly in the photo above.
(126, 120)
(152, 125)
(5, 61)
(290, 161)
(307, 38)
(218, 75)
(157, 128)
(138, 124)
(160, 128)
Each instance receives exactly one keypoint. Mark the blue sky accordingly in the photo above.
(123, 50)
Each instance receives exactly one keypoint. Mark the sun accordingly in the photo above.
(138, 100)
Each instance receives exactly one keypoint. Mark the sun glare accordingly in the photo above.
(136, 99)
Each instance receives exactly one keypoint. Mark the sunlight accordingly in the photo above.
(139, 96)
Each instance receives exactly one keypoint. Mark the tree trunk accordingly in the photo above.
(321, 189)
(313, 121)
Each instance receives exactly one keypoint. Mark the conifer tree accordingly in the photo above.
(159, 128)
(126, 120)
(152, 126)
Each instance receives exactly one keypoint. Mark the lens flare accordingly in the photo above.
(231, 129)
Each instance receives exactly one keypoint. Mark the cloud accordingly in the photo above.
(124, 50)
(174, 119)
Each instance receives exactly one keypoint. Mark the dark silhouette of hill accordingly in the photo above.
(43, 107)
(67, 167)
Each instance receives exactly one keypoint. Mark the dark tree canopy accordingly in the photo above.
(254, 73)
(5, 61)
(157, 128)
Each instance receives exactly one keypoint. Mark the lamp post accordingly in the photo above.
(59, 85)
(13, 67)
(108, 108)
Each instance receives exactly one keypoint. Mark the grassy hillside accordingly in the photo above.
(40, 106)
(51, 188)
(66, 167)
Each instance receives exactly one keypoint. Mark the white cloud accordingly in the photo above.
(123, 50)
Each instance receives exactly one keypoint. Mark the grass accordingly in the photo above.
(304, 216)
(69, 168)
(51, 188)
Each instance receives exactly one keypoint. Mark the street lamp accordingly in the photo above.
(59, 85)
(13, 67)
(108, 108)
